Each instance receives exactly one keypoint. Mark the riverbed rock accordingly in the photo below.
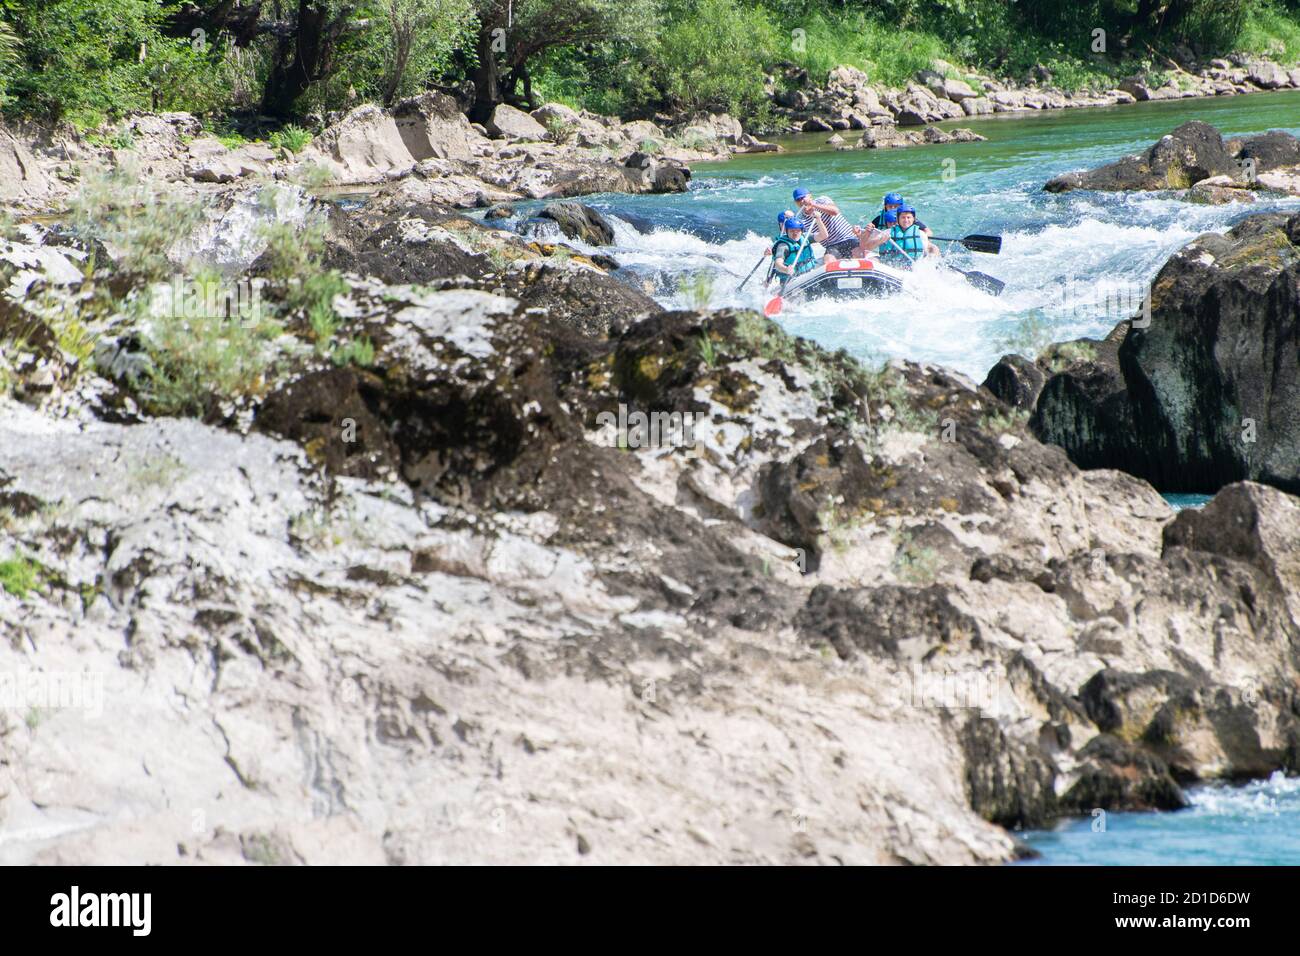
(1017, 381)
(1276, 149)
(579, 221)
(514, 124)
(432, 126)
(21, 177)
(1192, 152)
(1267, 75)
(1201, 396)
(1218, 190)
(365, 146)
(438, 604)
(957, 90)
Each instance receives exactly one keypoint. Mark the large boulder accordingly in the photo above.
(1275, 149)
(1192, 152)
(579, 221)
(565, 124)
(365, 146)
(514, 124)
(1267, 75)
(433, 127)
(1249, 522)
(1218, 190)
(1206, 391)
(1016, 380)
(21, 179)
(420, 245)
(957, 90)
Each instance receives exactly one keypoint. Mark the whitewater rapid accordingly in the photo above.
(1072, 277)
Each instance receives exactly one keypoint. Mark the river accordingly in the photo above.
(1074, 264)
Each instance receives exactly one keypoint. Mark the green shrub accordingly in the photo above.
(1269, 28)
(292, 138)
(193, 360)
(140, 219)
(559, 129)
(889, 54)
(20, 575)
(355, 352)
(87, 60)
(710, 55)
(10, 50)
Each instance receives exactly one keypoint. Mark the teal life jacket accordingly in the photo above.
(910, 240)
(785, 247)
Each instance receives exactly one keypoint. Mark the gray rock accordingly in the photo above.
(957, 90)
(514, 124)
(1192, 152)
(21, 177)
(1196, 399)
(579, 221)
(1267, 75)
(432, 126)
(364, 146)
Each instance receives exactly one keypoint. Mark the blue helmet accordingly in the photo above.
(907, 207)
(782, 216)
(889, 217)
(893, 199)
(800, 193)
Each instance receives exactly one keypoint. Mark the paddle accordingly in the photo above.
(752, 271)
(774, 304)
(985, 283)
(990, 244)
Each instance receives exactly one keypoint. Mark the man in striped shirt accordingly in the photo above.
(841, 240)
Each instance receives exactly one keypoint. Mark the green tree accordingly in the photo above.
(404, 47)
(711, 54)
(88, 59)
(9, 57)
(513, 34)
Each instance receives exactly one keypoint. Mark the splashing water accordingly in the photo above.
(1075, 264)
(1255, 823)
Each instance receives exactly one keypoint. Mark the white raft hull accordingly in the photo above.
(845, 278)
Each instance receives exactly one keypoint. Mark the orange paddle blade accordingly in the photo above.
(773, 306)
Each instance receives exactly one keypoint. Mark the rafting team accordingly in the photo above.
(895, 235)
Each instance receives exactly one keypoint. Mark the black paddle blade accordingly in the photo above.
(985, 283)
(989, 244)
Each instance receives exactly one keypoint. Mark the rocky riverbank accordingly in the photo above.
(402, 584)
(1199, 389)
(1196, 159)
(849, 100)
(425, 144)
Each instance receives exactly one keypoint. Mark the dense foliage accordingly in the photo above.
(90, 60)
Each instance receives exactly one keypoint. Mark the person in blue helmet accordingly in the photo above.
(906, 242)
(892, 203)
(791, 256)
(841, 240)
